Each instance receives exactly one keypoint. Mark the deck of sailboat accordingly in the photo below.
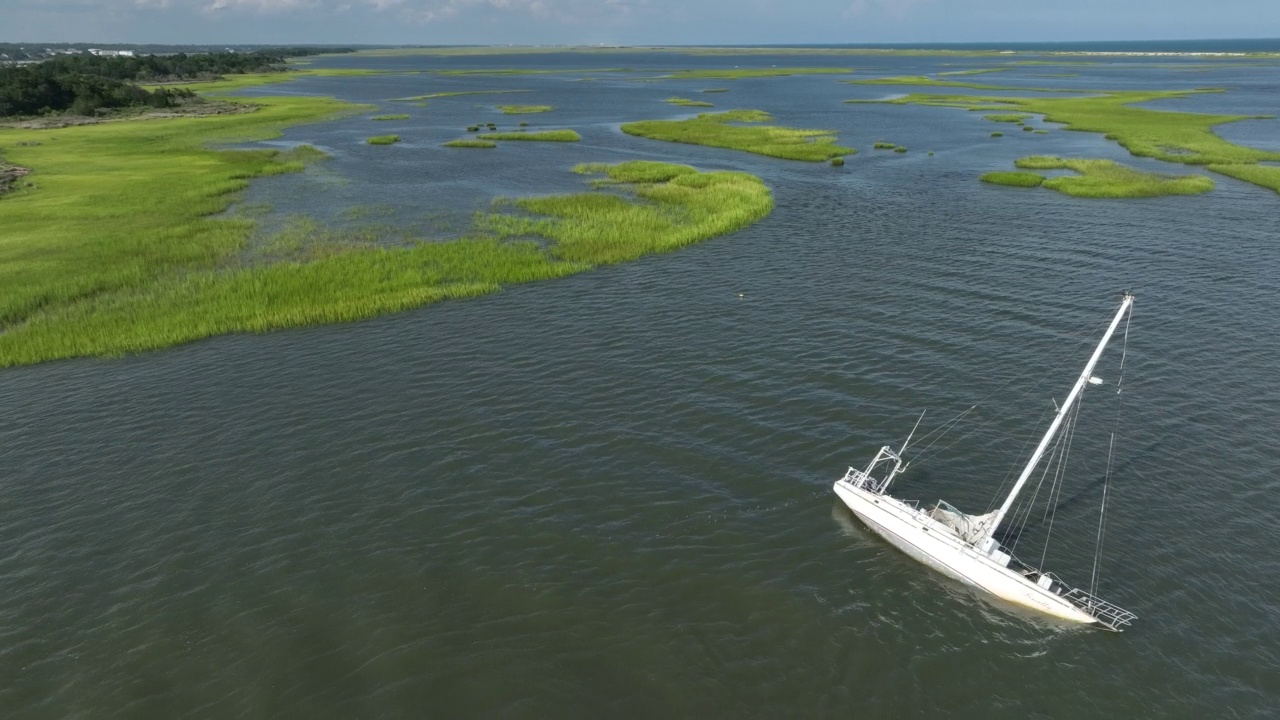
(1099, 611)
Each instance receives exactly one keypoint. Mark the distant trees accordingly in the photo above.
(162, 68)
(40, 90)
(84, 84)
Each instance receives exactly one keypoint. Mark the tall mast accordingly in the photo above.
(990, 530)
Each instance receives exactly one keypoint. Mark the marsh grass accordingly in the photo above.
(882, 145)
(686, 102)
(456, 93)
(1109, 179)
(716, 90)
(524, 109)
(524, 71)
(900, 149)
(997, 134)
(121, 205)
(395, 116)
(471, 144)
(975, 71)
(308, 275)
(545, 135)
(383, 140)
(723, 131)
(674, 206)
(739, 73)
(837, 161)
(936, 82)
(1162, 134)
(1013, 179)
(1267, 176)
(1007, 117)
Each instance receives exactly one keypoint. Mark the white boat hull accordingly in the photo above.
(935, 545)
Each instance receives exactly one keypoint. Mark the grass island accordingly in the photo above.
(1176, 137)
(524, 109)
(467, 143)
(686, 102)
(1098, 179)
(740, 130)
(542, 135)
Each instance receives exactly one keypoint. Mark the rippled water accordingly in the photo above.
(610, 494)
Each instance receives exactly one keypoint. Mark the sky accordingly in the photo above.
(630, 22)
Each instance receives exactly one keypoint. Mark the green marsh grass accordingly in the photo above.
(724, 131)
(1109, 179)
(1013, 179)
(673, 206)
(1007, 117)
(65, 306)
(524, 109)
(900, 149)
(1166, 135)
(837, 161)
(716, 90)
(1267, 176)
(935, 82)
(456, 93)
(545, 135)
(997, 134)
(395, 116)
(471, 144)
(975, 71)
(1162, 134)
(121, 205)
(686, 102)
(522, 71)
(739, 73)
(383, 140)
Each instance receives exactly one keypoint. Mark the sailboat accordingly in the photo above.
(963, 546)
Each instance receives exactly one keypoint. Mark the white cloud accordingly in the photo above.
(261, 6)
(569, 12)
(896, 10)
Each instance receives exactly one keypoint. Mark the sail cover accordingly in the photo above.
(970, 528)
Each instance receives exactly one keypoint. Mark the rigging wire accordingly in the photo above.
(1064, 359)
(1035, 435)
(1055, 492)
(1106, 478)
(945, 427)
(1026, 504)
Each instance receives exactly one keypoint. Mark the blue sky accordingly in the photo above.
(433, 22)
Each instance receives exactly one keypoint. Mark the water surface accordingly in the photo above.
(610, 494)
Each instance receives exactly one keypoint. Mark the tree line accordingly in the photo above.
(85, 84)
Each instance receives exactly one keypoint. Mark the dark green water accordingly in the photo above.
(610, 495)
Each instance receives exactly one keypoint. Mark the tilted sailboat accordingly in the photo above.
(963, 546)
